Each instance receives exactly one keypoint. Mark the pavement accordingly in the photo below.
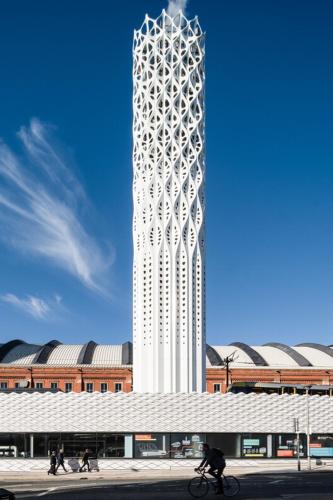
(263, 484)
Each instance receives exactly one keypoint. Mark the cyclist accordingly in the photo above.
(215, 459)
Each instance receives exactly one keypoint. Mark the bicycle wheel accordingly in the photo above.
(231, 486)
(198, 487)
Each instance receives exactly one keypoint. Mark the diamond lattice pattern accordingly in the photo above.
(168, 192)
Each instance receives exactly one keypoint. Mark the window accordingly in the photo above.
(114, 445)
(45, 443)
(321, 445)
(104, 387)
(229, 443)
(17, 385)
(151, 445)
(89, 387)
(74, 444)
(14, 445)
(39, 385)
(3, 385)
(186, 445)
(254, 445)
(217, 387)
(54, 385)
(286, 445)
(118, 386)
(68, 387)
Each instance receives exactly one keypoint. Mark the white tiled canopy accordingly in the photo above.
(179, 412)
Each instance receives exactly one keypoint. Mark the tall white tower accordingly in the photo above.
(169, 215)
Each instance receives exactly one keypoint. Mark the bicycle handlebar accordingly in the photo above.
(200, 470)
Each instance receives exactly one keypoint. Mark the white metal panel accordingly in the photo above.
(177, 412)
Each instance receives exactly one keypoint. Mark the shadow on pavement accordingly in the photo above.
(257, 486)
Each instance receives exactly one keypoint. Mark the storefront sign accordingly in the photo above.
(285, 453)
(254, 455)
(144, 437)
(321, 452)
(248, 443)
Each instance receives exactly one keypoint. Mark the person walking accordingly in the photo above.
(61, 460)
(215, 459)
(85, 460)
(53, 462)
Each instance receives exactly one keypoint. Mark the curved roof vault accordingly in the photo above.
(213, 356)
(44, 355)
(296, 356)
(254, 355)
(320, 347)
(271, 355)
(6, 348)
(87, 353)
(20, 353)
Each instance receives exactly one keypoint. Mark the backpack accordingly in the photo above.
(218, 452)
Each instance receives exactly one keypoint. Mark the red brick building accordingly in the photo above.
(91, 367)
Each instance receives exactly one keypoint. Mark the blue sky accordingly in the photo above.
(65, 169)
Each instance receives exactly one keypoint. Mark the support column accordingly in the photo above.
(32, 446)
(238, 445)
(269, 445)
(128, 445)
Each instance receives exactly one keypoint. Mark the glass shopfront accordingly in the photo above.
(15, 445)
(151, 445)
(177, 446)
(74, 445)
(45, 443)
(187, 445)
(321, 445)
(286, 446)
(229, 443)
(114, 445)
(254, 445)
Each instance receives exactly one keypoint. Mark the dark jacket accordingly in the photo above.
(213, 458)
(53, 460)
(85, 457)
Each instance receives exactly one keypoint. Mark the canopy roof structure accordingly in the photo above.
(271, 355)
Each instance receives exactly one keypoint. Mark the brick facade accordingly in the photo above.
(77, 376)
(80, 376)
(284, 376)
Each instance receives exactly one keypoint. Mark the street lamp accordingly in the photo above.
(308, 430)
(296, 429)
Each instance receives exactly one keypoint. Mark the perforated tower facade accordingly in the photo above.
(169, 214)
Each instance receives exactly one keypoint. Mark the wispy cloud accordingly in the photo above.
(40, 205)
(175, 6)
(33, 306)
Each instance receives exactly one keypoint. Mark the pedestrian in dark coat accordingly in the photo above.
(85, 460)
(61, 460)
(53, 463)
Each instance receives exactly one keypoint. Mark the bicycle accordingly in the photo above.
(198, 486)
